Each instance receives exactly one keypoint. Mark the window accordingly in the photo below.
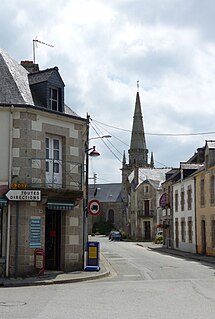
(182, 199)
(212, 189)
(146, 207)
(189, 198)
(190, 231)
(111, 216)
(202, 192)
(213, 233)
(176, 201)
(53, 99)
(53, 161)
(183, 230)
(146, 189)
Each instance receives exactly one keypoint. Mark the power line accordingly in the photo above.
(106, 144)
(160, 134)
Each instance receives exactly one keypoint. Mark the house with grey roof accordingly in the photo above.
(110, 197)
(41, 173)
(144, 208)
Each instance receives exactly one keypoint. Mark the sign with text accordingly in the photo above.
(24, 195)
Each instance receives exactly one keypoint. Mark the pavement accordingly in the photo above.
(56, 277)
(178, 253)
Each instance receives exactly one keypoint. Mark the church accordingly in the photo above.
(132, 206)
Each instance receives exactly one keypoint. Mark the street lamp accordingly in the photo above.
(92, 152)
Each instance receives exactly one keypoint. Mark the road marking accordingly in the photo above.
(132, 275)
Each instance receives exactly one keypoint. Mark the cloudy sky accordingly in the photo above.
(102, 48)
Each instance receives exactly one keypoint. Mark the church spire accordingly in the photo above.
(124, 159)
(138, 153)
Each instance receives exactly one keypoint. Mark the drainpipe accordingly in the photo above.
(9, 183)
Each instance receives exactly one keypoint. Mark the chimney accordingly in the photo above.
(30, 66)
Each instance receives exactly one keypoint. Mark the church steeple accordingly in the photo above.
(138, 153)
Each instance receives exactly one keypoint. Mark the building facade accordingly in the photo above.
(41, 175)
(205, 203)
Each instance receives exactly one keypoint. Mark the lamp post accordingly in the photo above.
(89, 151)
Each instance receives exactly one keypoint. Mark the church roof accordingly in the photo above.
(106, 192)
(138, 137)
(157, 175)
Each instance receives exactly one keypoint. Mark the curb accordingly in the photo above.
(184, 255)
(6, 283)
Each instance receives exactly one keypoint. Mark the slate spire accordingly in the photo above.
(138, 153)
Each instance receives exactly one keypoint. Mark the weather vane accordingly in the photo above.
(138, 86)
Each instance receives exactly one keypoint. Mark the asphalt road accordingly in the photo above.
(144, 284)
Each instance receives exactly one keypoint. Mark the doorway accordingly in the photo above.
(147, 230)
(203, 237)
(53, 240)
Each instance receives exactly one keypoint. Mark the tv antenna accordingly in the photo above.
(35, 41)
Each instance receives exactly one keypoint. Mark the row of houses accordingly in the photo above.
(178, 201)
(188, 204)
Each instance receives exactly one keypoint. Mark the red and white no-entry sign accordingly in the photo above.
(94, 207)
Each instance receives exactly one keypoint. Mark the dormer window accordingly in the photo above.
(53, 99)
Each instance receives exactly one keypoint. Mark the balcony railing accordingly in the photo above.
(145, 214)
(51, 173)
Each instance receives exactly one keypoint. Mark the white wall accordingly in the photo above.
(186, 214)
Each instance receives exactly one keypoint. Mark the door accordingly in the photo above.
(203, 237)
(53, 162)
(147, 230)
(52, 239)
(176, 234)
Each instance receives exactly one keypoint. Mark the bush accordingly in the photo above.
(102, 228)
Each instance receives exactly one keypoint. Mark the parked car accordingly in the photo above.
(115, 235)
(159, 237)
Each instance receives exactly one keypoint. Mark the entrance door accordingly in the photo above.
(147, 230)
(52, 239)
(203, 237)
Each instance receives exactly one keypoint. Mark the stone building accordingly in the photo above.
(205, 202)
(109, 195)
(42, 156)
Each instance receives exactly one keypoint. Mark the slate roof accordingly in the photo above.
(157, 175)
(15, 83)
(42, 76)
(14, 86)
(106, 192)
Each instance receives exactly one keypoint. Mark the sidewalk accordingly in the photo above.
(55, 277)
(170, 251)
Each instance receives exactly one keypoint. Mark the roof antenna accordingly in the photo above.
(35, 41)
(137, 86)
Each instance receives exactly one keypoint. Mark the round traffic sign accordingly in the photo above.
(94, 207)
